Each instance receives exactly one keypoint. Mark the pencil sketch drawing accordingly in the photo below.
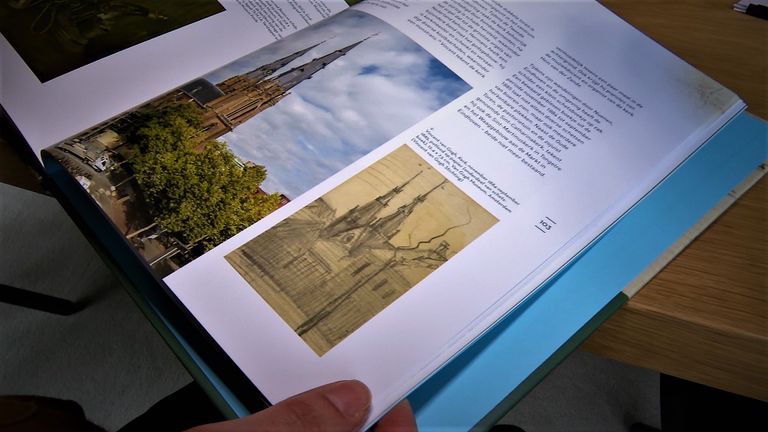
(336, 263)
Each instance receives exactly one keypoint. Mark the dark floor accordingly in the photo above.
(109, 359)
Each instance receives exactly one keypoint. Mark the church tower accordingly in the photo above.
(381, 231)
(248, 94)
(359, 216)
(293, 77)
(240, 82)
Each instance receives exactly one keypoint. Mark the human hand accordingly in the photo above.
(340, 406)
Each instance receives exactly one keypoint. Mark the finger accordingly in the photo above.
(399, 419)
(341, 406)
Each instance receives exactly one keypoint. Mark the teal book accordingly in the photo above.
(375, 196)
(507, 362)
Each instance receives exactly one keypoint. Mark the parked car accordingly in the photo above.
(97, 158)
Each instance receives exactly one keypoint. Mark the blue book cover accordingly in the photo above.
(504, 358)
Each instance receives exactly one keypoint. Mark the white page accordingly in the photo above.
(50, 111)
(653, 111)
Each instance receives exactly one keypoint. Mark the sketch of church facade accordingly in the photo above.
(339, 261)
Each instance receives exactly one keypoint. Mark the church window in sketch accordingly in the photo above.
(336, 263)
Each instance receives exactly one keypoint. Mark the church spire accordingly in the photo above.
(249, 79)
(389, 226)
(246, 95)
(382, 230)
(387, 197)
(270, 68)
(363, 215)
(293, 77)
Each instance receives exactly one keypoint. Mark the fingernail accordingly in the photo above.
(351, 398)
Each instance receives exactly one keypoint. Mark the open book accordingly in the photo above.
(365, 196)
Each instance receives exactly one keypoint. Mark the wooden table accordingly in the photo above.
(704, 317)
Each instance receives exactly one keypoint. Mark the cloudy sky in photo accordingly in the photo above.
(354, 105)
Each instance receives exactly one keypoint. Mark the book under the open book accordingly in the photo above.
(364, 197)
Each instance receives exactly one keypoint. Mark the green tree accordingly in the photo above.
(195, 189)
(166, 129)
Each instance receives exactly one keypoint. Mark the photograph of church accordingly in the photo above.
(235, 100)
(347, 85)
(193, 167)
(336, 263)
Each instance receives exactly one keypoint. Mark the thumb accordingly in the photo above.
(340, 406)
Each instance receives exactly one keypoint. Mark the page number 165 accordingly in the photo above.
(545, 225)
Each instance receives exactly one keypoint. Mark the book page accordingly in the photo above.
(69, 65)
(363, 198)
